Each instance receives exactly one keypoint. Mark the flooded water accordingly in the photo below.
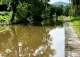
(31, 41)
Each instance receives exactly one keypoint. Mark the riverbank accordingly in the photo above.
(6, 16)
(72, 41)
(75, 23)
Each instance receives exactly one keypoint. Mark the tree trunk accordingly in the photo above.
(12, 17)
(13, 13)
(13, 4)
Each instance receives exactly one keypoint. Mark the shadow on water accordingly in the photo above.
(27, 23)
(28, 41)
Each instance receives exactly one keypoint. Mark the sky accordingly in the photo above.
(53, 1)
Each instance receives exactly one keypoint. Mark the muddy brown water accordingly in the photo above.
(32, 41)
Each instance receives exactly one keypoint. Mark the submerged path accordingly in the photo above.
(72, 42)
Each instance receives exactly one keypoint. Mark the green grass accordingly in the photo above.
(5, 16)
(75, 23)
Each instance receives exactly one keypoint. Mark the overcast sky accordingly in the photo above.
(53, 1)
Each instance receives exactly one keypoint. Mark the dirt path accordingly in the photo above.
(72, 42)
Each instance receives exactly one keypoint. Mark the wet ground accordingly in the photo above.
(32, 41)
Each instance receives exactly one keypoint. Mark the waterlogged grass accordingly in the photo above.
(75, 23)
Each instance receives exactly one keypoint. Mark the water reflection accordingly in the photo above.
(25, 41)
(58, 41)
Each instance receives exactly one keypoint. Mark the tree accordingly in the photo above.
(52, 11)
(58, 11)
(34, 9)
(75, 4)
(13, 4)
(30, 11)
(66, 10)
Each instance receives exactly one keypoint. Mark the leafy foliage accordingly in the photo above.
(75, 4)
(58, 11)
(66, 10)
(33, 11)
(30, 12)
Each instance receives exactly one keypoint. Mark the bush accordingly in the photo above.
(72, 12)
(23, 12)
(30, 12)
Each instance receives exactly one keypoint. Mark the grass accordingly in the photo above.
(75, 23)
(4, 16)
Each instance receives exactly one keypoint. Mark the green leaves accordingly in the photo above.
(75, 5)
(66, 10)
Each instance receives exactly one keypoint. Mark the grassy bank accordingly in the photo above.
(4, 17)
(75, 23)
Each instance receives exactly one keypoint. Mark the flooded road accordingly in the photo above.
(31, 41)
(58, 41)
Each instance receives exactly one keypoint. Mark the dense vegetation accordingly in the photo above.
(75, 4)
(74, 15)
(32, 12)
(36, 12)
